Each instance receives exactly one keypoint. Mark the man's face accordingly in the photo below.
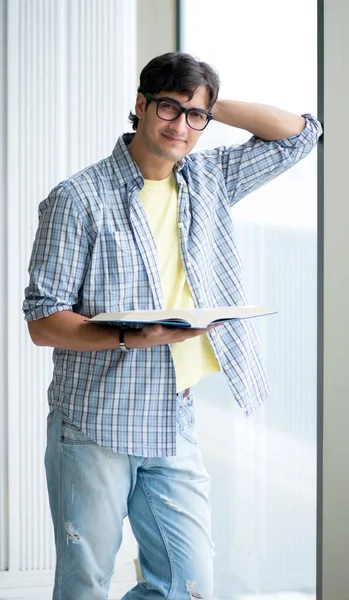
(170, 140)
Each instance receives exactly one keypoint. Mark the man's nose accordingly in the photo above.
(179, 125)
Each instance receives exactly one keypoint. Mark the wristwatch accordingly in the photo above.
(122, 344)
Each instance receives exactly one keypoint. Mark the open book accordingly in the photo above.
(195, 318)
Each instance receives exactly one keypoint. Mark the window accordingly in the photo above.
(263, 469)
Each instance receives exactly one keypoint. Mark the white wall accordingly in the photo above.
(156, 29)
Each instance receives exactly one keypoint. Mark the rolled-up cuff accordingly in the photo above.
(44, 311)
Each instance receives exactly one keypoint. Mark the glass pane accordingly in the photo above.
(263, 469)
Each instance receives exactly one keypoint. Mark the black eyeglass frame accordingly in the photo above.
(181, 108)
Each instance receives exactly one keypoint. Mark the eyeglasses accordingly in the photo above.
(169, 110)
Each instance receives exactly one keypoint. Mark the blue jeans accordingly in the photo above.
(91, 491)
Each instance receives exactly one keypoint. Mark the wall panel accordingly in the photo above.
(67, 88)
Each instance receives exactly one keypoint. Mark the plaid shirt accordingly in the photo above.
(94, 252)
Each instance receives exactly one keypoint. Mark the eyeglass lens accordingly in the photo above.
(169, 112)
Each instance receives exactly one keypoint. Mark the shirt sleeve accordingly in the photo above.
(248, 166)
(59, 257)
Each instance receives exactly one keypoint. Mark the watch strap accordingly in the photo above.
(122, 344)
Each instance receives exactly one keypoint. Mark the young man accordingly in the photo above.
(149, 227)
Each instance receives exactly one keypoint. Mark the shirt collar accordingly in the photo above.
(126, 169)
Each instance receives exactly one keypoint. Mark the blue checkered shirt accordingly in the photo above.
(94, 252)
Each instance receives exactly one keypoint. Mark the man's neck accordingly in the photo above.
(152, 167)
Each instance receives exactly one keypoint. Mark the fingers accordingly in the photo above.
(158, 334)
(195, 332)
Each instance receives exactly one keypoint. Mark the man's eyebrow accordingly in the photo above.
(171, 100)
(181, 105)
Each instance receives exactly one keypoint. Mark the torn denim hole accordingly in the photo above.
(72, 534)
(169, 503)
(194, 593)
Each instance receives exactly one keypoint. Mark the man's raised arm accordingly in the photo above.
(263, 121)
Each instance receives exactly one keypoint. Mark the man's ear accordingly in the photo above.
(141, 103)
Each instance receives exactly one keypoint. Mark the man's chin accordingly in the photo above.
(171, 155)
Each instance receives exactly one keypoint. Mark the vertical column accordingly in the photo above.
(333, 522)
(3, 298)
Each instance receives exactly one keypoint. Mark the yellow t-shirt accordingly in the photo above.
(194, 358)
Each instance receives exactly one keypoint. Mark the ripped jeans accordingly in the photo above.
(91, 491)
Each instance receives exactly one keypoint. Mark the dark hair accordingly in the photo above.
(177, 72)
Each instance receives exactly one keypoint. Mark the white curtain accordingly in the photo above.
(67, 86)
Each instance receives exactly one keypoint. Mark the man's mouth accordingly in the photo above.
(173, 140)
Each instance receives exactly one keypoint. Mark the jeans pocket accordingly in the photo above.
(186, 420)
(71, 434)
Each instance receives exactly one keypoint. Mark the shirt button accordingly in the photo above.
(180, 225)
(200, 299)
(213, 332)
(188, 263)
